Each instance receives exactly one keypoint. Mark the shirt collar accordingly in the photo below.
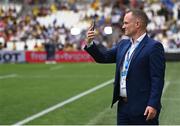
(139, 39)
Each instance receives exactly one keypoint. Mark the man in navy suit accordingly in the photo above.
(140, 71)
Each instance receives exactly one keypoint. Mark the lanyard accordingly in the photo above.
(128, 59)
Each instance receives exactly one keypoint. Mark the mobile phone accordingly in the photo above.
(94, 25)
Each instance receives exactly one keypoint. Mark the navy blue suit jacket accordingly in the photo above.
(145, 78)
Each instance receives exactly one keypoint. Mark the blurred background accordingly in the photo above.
(37, 37)
(28, 24)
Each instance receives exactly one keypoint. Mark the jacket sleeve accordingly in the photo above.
(157, 73)
(102, 54)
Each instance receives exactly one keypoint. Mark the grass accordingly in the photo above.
(26, 89)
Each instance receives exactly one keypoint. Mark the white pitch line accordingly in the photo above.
(8, 76)
(96, 118)
(56, 68)
(59, 105)
(166, 86)
(61, 76)
(171, 99)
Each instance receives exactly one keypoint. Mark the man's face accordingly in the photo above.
(129, 25)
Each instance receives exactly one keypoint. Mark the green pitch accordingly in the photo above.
(27, 89)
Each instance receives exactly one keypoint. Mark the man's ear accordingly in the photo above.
(138, 23)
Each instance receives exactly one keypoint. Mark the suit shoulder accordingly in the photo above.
(123, 41)
(154, 42)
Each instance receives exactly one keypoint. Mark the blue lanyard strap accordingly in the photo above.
(129, 57)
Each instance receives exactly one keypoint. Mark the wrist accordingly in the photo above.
(89, 44)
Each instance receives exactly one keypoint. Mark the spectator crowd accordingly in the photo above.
(42, 24)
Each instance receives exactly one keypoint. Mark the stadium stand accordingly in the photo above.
(65, 22)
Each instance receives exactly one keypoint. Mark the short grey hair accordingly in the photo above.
(140, 14)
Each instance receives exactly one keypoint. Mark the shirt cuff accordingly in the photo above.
(90, 44)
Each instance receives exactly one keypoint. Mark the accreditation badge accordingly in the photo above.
(123, 79)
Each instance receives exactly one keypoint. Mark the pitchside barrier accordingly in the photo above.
(61, 56)
(40, 57)
(12, 57)
(172, 54)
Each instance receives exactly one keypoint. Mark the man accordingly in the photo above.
(50, 49)
(140, 70)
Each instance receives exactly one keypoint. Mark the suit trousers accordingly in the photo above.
(125, 117)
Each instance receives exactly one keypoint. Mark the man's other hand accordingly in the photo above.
(150, 112)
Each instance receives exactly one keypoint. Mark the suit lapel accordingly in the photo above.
(137, 51)
(123, 52)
